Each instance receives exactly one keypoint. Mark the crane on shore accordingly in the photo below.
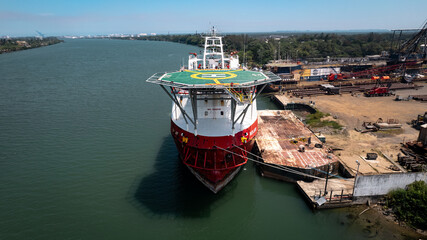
(411, 49)
(41, 35)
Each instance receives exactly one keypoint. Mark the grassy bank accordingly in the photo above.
(317, 120)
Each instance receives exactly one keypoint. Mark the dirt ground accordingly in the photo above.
(352, 111)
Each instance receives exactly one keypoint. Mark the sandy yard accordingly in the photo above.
(352, 111)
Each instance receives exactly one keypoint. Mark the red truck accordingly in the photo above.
(378, 91)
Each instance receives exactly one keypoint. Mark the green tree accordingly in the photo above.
(410, 204)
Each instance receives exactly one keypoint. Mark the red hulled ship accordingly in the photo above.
(214, 114)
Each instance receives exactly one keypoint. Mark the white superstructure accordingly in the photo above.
(213, 55)
(214, 114)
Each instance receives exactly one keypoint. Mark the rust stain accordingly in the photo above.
(279, 136)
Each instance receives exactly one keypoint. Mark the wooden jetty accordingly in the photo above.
(339, 193)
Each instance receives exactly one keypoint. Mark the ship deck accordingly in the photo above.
(213, 78)
(206, 77)
(279, 137)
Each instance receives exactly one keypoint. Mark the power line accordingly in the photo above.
(330, 174)
(272, 165)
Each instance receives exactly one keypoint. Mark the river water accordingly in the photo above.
(85, 153)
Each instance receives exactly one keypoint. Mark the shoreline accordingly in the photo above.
(20, 44)
(376, 224)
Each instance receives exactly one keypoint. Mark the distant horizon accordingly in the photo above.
(355, 31)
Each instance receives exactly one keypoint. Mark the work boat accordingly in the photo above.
(214, 114)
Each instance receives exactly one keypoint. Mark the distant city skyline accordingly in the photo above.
(98, 17)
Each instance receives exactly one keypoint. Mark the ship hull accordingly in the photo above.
(214, 161)
(215, 187)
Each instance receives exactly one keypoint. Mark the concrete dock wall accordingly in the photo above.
(377, 185)
(285, 103)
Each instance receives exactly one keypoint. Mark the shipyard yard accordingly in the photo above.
(284, 148)
(352, 110)
(359, 152)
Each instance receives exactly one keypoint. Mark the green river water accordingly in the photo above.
(85, 153)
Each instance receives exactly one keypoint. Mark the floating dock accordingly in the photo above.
(284, 142)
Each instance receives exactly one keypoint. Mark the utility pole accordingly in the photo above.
(327, 177)
(358, 164)
(357, 172)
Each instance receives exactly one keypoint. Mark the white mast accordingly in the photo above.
(213, 56)
(213, 43)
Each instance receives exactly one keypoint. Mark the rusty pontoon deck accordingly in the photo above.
(283, 140)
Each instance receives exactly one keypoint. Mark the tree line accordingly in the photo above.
(259, 49)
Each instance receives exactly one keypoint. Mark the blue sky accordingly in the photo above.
(83, 17)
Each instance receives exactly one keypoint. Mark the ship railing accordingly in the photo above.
(334, 195)
(233, 94)
(239, 96)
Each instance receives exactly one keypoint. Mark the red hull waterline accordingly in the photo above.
(214, 161)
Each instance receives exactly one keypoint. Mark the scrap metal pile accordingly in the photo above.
(415, 152)
(414, 157)
(380, 124)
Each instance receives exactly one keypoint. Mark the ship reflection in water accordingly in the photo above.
(171, 190)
